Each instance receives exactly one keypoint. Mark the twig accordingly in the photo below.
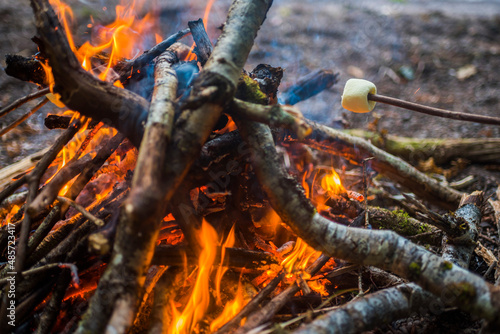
(252, 305)
(35, 271)
(19, 102)
(50, 191)
(23, 117)
(434, 111)
(275, 116)
(82, 210)
(270, 309)
(365, 192)
(148, 56)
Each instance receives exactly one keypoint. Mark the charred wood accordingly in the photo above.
(235, 258)
(26, 69)
(203, 47)
(308, 86)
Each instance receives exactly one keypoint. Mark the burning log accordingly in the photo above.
(235, 258)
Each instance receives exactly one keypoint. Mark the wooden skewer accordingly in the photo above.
(4, 111)
(434, 111)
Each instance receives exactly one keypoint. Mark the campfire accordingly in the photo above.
(187, 195)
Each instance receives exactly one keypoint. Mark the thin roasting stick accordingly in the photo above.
(19, 102)
(23, 117)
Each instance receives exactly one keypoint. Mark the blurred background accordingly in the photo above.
(440, 53)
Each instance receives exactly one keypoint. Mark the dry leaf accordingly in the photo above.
(466, 72)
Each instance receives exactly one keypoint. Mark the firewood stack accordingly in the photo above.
(163, 176)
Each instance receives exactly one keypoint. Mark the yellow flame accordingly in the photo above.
(197, 305)
(11, 214)
(299, 258)
(230, 310)
(318, 286)
(222, 269)
(331, 183)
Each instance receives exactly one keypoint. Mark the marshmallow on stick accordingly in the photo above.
(361, 95)
(355, 97)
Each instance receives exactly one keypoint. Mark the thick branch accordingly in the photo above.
(120, 286)
(442, 150)
(402, 301)
(383, 249)
(274, 115)
(371, 311)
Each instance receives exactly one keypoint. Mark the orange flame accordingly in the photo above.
(331, 183)
(319, 286)
(11, 214)
(230, 310)
(299, 258)
(197, 305)
(222, 270)
(124, 38)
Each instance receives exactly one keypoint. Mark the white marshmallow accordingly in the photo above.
(355, 97)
